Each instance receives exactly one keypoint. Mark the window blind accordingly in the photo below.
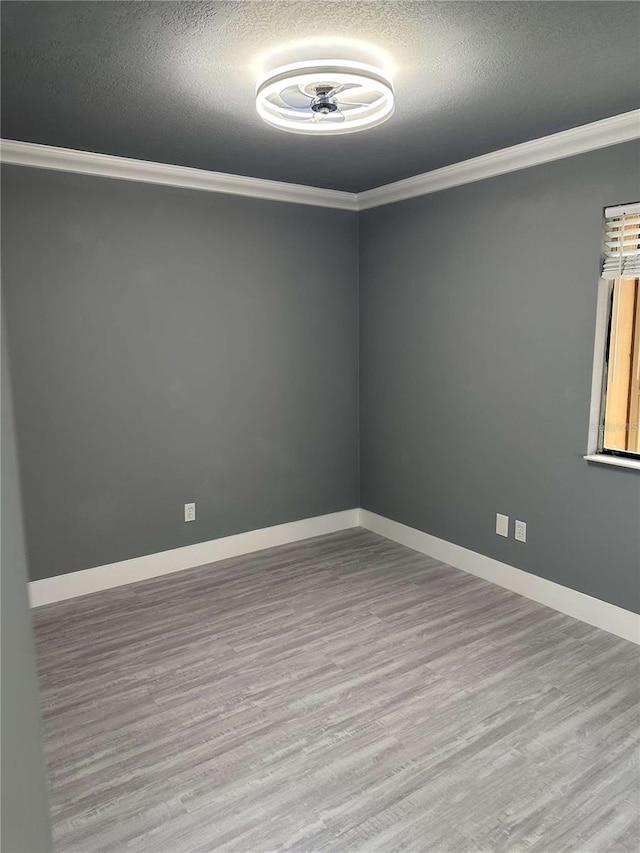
(622, 242)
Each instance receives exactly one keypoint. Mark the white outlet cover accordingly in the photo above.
(521, 531)
(189, 512)
(502, 524)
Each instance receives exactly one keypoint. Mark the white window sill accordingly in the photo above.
(618, 461)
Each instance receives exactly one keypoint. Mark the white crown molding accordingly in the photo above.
(106, 166)
(98, 578)
(593, 611)
(579, 140)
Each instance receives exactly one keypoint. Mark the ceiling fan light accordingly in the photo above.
(317, 88)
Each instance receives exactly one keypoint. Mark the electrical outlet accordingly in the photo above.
(502, 524)
(521, 531)
(189, 512)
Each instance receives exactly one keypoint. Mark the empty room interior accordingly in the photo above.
(320, 427)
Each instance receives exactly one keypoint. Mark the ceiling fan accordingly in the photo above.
(325, 97)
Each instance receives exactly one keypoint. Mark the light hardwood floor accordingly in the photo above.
(340, 694)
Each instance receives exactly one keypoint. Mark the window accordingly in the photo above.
(622, 388)
(615, 406)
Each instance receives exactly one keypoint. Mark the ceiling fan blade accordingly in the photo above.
(344, 104)
(300, 116)
(295, 98)
(361, 95)
(343, 87)
(275, 99)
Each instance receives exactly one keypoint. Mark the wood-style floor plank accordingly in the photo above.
(340, 694)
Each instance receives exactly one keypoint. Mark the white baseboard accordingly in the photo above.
(601, 614)
(61, 587)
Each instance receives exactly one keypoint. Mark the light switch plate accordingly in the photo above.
(502, 524)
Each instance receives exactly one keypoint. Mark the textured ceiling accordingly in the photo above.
(174, 82)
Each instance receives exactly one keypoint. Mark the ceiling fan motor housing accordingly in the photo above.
(322, 103)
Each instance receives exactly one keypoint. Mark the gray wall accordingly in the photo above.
(25, 816)
(477, 317)
(171, 346)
